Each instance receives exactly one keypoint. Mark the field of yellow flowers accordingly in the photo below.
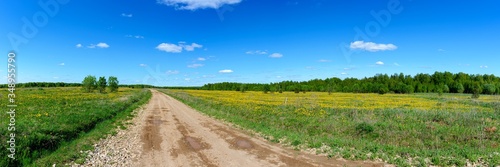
(47, 117)
(402, 129)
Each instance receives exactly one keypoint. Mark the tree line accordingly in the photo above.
(439, 82)
(43, 84)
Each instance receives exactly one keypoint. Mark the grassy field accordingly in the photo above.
(406, 130)
(54, 124)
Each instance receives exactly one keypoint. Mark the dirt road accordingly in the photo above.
(176, 135)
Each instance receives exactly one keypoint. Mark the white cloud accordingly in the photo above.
(99, 45)
(61, 64)
(55, 77)
(187, 79)
(379, 63)
(257, 52)
(177, 48)
(483, 66)
(276, 55)
(372, 47)
(126, 15)
(226, 71)
(78, 45)
(135, 36)
(190, 47)
(344, 73)
(197, 4)
(201, 59)
(441, 50)
(324, 61)
(102, 45)
(168, 47)
(143, 65)
(349, 68)
(396, 64)
(172, 72)
(195, 65)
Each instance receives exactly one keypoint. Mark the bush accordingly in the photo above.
(266, 88)
(383, 90)
(489, 89)
(476, 90)
(460, 88)
(364, 128)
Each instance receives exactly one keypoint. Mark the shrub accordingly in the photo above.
(364, 128)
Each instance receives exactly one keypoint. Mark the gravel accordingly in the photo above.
(122, 149)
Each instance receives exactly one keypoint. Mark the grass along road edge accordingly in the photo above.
(75, 150)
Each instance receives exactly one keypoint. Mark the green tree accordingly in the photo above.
(446, 89)
(440, 91)
(243, 88)
(273, 89)
(89, 84)
(408, 89)
(266, 88)
(329, 89)
(113, 84)
(476, 90)
(101, 84)
(383, 89)
(489, 89)
(460, 88)
(498, 88)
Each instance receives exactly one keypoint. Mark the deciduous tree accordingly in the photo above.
(113, 84)
(89, 83)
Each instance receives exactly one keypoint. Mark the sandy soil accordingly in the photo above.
(168, 133)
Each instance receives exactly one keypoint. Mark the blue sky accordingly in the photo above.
(194, 42)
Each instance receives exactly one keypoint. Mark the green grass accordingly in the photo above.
(443, 138)
(54, 124)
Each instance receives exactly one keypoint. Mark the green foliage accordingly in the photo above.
(440, 91)
(446, 89)
(489, 89)
(296, 89)
(101, 85)
(113, 84)
(364, 128)
(266, 88)
(383, 89)
(498, 88)
(460, 88)
(444, 82)
(89, 84)
(476, 90)
(243, 88)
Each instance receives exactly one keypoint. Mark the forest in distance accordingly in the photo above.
(438, 82)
